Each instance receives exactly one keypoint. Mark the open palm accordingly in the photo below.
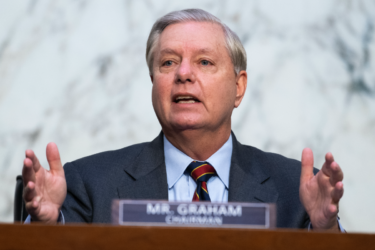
(44, 190)
(320, 194)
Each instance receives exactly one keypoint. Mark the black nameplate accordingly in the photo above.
(163, 213)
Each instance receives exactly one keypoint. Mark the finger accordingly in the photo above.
(337, 192)
(29, 192)
(32, 206)
(336, 173)
(307, 165)
(326, 166)
(28, 173)
(332, 210)
(53, 158)
(329, 157)
(31, 155)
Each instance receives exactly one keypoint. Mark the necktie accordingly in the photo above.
(201, 172)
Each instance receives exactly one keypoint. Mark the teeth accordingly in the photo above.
(186, 99)
(190, 101)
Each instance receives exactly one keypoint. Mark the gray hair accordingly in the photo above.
(234, 46)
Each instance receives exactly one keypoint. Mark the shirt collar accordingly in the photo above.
(176, 162)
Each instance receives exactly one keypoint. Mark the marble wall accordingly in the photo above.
(74, 72)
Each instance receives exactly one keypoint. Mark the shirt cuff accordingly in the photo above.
(342, 230)
(28, 220)
(60, 220)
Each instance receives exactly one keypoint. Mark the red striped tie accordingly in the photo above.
(201, 172)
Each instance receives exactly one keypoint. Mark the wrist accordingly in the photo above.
(50, 219)
(332, 227)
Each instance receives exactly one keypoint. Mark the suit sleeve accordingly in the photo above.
(77, 206)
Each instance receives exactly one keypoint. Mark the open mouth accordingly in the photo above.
(186, 99)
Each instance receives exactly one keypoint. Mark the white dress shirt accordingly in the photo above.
(181, 187)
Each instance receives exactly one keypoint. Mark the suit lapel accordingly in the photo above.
(249, 179)
(146, 174)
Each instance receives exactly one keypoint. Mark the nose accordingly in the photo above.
(185, 72)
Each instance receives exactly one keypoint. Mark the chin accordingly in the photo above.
(186, 124)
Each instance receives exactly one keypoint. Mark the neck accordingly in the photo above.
(196, 143)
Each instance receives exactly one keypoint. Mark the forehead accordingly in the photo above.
(202, 36)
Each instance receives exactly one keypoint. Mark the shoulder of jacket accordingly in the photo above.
(273, 161)
(109, 158)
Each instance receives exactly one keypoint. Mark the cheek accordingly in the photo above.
(161, 92)
(157, 102)
(223, 92)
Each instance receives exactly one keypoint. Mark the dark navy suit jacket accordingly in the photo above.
(139, 172)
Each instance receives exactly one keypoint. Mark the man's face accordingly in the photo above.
(194, 83)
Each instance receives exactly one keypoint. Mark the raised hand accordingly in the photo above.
(44, 191)
(320, 194)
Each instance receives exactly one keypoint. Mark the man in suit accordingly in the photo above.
(197, 67)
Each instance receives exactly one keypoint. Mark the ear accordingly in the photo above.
(241, 83)
(152, 79)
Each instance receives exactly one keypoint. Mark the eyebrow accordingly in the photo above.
(168, 51)
(206, 51)
(200, 51)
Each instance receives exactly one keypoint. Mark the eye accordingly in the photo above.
(205, 62)
(168, 63)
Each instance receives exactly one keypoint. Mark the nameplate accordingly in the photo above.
(163, 213)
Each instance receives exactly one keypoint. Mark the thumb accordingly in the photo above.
(53, 158)
(307, 165)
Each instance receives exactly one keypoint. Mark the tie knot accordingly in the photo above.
(201, 171)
